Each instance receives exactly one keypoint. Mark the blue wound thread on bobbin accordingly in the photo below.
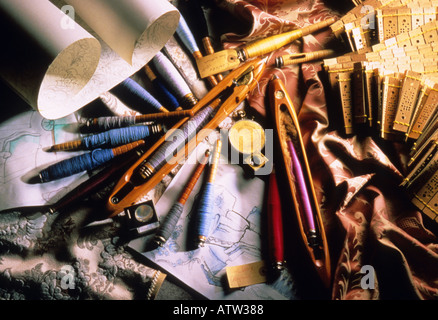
(115, 137)
(205, 210)
(178, 138)
(108, 123)
(169, 222)
(171, 75)
(135, 96)
(186, 35)
(168, 97)
(71, 166)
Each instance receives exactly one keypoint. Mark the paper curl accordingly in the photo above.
(60, 60)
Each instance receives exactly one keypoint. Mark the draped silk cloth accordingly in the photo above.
(368, 219)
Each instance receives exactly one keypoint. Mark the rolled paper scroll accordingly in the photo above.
(63, 55)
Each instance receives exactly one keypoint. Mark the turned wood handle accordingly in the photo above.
(272, 43)
(304, 57)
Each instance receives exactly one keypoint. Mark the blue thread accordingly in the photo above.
(205, 210)
(170, 100)
(71, 166)
(186, 36)
(170, 221)
(135, 96)
(171, 75)
(116, 137)
(108, 123)
(178, 138)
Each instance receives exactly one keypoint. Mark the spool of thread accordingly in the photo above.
(113, 122)
(175, 81)
(170, 100)
(101, 180)
(275, 222)
(101, 124)
(170, 221)
(135, 96)
(110, 138)
(303, 195)
(185, 34)
(205, 209)
(175, 142)
(84, 162)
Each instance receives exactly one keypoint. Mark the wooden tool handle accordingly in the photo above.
(272, 43)
(163, 115)
(67, 146)
(318, 26)
(304, 57)
(127, 147)
(192, 182)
